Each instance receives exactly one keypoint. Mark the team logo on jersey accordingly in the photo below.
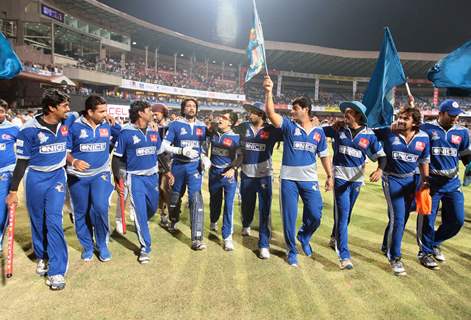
(455, 139)
(59, 187)
(153, 138)
(317, 137)
(342, 135)
(42, 137)
(364, 143)
(83, 134)
(435, 135)
(227, 142)
(6, 137)
(420, 146)
(396, 141)
(135, 139)
(103, 132)
(199, 132)
(183, 131)
(264, 135)
(64, 131)
(297, 132)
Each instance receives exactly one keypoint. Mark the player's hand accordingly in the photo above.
(424, 185)
(118, 188)
(229, 174)
(411, 101)
(171, 178)
(206, 163)
(189, 152)
(329, 184)
(376, 175)
(267, 84)
(110, 119)
(80, 165)
(12, 199)
(154, 126)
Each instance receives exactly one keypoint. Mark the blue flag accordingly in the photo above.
(10, 64)
(454, 70)
(388, 73)
(255, 48)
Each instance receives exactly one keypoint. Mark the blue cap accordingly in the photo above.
(256, 107)
(451, 107)
(357, 106)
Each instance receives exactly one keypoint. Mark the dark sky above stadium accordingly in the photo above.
(417, 25)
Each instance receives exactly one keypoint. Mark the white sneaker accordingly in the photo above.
(213, 226)
(398, 267)
(246, 232)
(264, 253)
(228, 244)
(119, 227)
(41, 267)
(56, 282)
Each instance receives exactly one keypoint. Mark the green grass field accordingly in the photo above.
(182, 284)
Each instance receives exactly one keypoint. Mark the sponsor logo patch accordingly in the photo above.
(420, 146)
(455, 139)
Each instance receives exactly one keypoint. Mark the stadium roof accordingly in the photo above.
(280, 55)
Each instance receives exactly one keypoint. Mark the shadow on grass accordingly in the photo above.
(122, 240)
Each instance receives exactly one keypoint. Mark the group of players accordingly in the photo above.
(59, 152)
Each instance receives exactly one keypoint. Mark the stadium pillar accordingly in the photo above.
(175, 64)
(222, 73)
(123, 60)
(146, 58)
(278, 85)
(316, 90)
(53, 40)
(354, 89)
(156, 60)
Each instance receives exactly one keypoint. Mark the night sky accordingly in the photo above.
(417, 26)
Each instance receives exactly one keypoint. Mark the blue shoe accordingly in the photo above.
(104, 255)
(293, 259)
(87, 255)
(306, 247)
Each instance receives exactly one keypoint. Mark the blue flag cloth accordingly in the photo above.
(454, 70)
(388, 73)
(10, 64)
(256, 48)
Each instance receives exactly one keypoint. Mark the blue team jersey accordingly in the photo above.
(45, 150)
(446, 147)
(91, 145)
(8, 134)
(299, 151)
(140, 150)
(182, 133)
(257, 148)
(403, 158)
(223, 148)
(350, 153)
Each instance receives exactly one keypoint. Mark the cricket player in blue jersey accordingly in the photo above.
(449, 143)
(353, 142)
(407, 148)
(186, 140)
(89, 176)
(41, 149)
(257, 139)
(137, 150)
(8, 134)
(302, 143)
(225, 159)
